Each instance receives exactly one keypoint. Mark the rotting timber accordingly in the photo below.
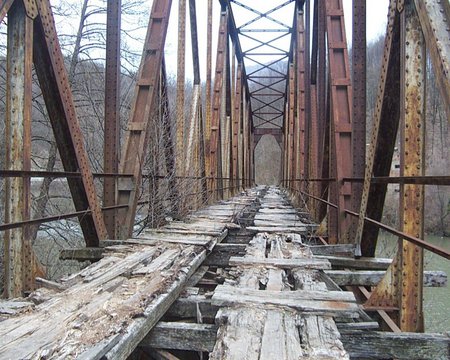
(260, 272)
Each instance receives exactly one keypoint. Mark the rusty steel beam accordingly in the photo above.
(19, 255)
(301, 85)
(215, 138)
(208, 107)
(112, 111)
(412, 163)
(307, 74)
(434, 19)
(322, 121)
(291, 122)
(236, 126)
(359, 44)
(145, 100)
(341, 121)
(181, 69)
(383, 136)
(52, 75)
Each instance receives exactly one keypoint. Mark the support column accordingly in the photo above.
(19, 257)
(412, 163)
(112, 113)
(359, 44)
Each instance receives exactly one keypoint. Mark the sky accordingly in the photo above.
(376, 26)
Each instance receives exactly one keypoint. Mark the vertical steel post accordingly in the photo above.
(208, 110)
(181, 69)
(112, 112)
(341, 121)
(215, 141)
(18, 252)
(359, 44)
(412, 163)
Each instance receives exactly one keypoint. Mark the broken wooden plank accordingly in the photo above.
(317, 302)
(82, 254)
(279, 229)
(387, 345)
(179, 336)
(373, 277)
(306, 263)
(361, 263)
(359, 344)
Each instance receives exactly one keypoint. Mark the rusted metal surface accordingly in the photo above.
(236, 126)
(112, 111)
(412, 163)
(136, 137)
(383, 136)
(291, 121)
(307, 54)
(215, 139)
(435, 19)
(359, 43)
(181, 69)
(208, 107)
(341, 121)
(18, 251)
(301, 85)
(322, 95)
(51, 72)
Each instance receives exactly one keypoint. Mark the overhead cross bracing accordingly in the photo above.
(274, 74)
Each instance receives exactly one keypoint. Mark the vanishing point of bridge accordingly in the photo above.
(247, 272)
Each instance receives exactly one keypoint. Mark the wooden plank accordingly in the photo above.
(281, 338)
(359, 344)
(312, 263)
(279, 229)
(317, 302)
(240, 335)
(82, 254)
(193, 306)
(361, 263)
(179, 336)
(321, 338)
(387, 345)
(344, 249)
(373, 277)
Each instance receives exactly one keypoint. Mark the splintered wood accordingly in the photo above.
(105, 310)
(279, 308)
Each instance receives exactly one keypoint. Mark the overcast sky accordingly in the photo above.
(376, 26)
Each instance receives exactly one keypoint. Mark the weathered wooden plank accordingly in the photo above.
(181, 336)
(281, 338)
(359, 344)
(240, 334)
(193, 307)
(361, 263)
(277, 217)
(220, 256)
(321, 338)
(82, 254)
(279, 223)
(387, 345)
(317, 302)
(311, 263)
(373, 277)
(279, 229)
(341, 249)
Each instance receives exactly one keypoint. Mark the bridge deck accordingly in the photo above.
(237, 280)
(108, 307)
